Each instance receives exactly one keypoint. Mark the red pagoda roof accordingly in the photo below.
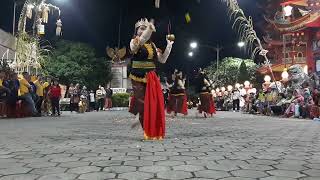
(275, 68)
(315, 23)
(295, 2)
(309, 20)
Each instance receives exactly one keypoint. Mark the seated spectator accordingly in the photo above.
(306, 106)
(25, 93)
(292, 109)
(260, 103)
(279, 107)
(314, 112)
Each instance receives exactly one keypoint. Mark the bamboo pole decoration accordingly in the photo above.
(246, 32)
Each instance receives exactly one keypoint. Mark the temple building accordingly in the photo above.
(292, 36)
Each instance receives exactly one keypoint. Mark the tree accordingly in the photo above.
(74, 62)
(243, 73)
(229, 71)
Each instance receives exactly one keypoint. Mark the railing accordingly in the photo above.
(287, 60)
(300, 60)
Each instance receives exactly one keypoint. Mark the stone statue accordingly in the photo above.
(297, 77)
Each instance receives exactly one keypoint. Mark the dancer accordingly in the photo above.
(206, 100)
(178, 98)
(148, 99)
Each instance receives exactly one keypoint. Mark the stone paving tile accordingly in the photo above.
(169, 163)
(285, 173)
(97, 176)
(62, 176)
(107, 163)
(138, 163)
(232, 162)
(65, 159)
(153, 169)
(41, 165)
(311, 178)
(74, 164)
(174, 175)
(237, 178)
(124, 158)
(51, 170)
(313, 166)
(223, 167)
(181, 158)
(136, 175)
(154, 158)
(120, 169)
(20, 177)
(189, 168)
(95, 159)
(212, 174)
(312, 172)
(263, 162)
(13, 170)
(249, 173)
(201, 162)
(277, 178)
(291, 167)
(257, 167)
(84, 169)
(11, 165)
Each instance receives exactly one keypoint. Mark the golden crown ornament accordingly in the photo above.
(142, 22)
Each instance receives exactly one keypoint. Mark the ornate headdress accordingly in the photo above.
(179, 73)
(142, 22)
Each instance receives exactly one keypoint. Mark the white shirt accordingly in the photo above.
(236, 95)
(92, 97)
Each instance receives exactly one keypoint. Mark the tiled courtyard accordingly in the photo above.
(92, 146)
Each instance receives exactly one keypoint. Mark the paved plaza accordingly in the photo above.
(93, 146)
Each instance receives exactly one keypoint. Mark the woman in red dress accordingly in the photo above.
(206, 99)
(178, 98)
(148, 99)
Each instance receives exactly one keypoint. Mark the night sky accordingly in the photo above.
(97, 22)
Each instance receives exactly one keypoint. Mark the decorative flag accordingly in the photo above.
(157, 3)
(188, 17)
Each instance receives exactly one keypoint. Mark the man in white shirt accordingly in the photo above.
(92, 100)
(236, 100)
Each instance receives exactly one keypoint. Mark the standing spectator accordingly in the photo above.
(55, 96)
(92, 100)
(40, 92)
(108, 102)
(4, 91)
(25, 92)
(46, 102)
(236, 100)
(99, 98)
(85, 98)
(75, 98)
(13, 85)
(70, 95)
(33, 91)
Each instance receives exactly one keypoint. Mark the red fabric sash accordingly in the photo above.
(154, 112)
(207, 104)
(185, 105)
(172, 105)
